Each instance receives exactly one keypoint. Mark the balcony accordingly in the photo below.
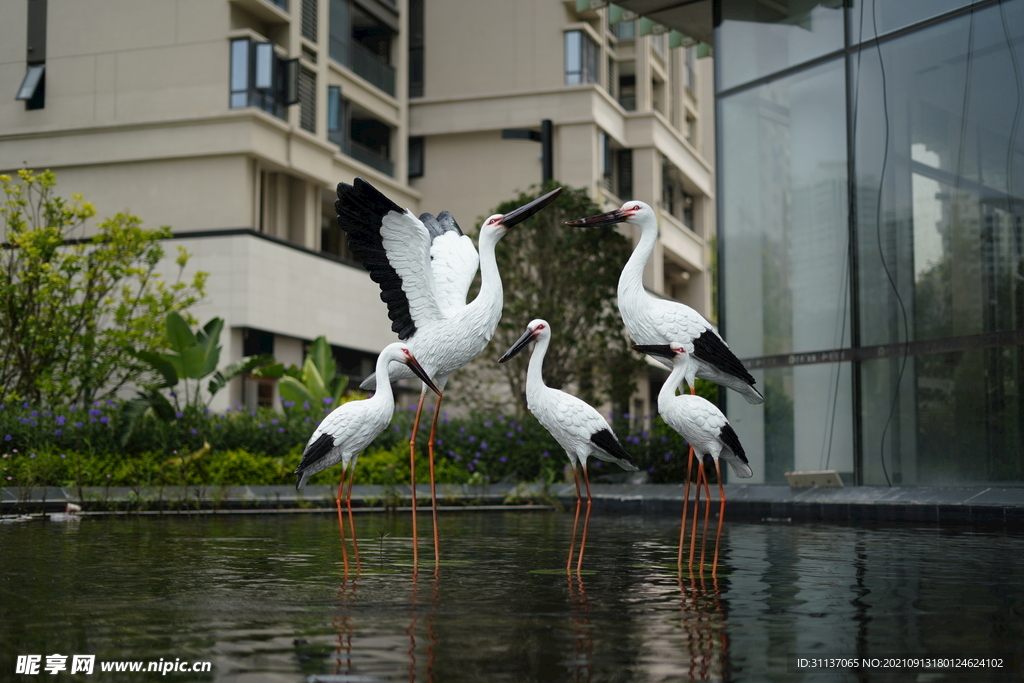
(364, 154)
(364, 63)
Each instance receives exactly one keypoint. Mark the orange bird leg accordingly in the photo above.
(575, 522)
(696, 506)
(707, 516)
(433, 490)
(721, 516)
(351, 521)
(341, 519)
(586, 520)
(412, 476)
(686, 504)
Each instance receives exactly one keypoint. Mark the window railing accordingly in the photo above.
(372, 68)
(366, 155)
(366, 64)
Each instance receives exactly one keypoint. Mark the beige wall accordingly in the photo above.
(493, 46)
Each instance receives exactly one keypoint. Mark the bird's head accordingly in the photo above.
(499, 223)
(401, 353)
(535, 330)
(635, 212)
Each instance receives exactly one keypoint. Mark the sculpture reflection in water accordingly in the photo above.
(703, 624)
(348, 668)
(583, 641)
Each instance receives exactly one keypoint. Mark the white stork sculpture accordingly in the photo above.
(704, 427)
(576, 426)
(424, 267)
(350, 428)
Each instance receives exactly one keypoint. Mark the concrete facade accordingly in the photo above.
(140, 114)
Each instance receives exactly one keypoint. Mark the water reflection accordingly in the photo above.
(266, 598)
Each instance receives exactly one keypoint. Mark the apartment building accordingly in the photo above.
(232, 121)
(631, 118)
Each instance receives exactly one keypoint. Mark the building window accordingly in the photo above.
(416, 146)
(625, 30)
(691, 70)
(309, 17)
(362, 42)
(627, 91)
(336, 128)
(624, 169)
(416, 43)
(307, 100)
(581, 58)
(33, 86)
(260, 78)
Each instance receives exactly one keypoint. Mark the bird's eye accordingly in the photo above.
(636, 207)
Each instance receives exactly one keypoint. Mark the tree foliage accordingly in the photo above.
(71, 306)
(568, 276)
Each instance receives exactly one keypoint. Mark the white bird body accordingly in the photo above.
(576, 426)
(352, 426)
(425, 267)
(651, 321)
(698, 420)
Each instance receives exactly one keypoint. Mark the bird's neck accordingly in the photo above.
(491, 293)
(668, 389)
(383, 393)
(631, 281)
(535, 371)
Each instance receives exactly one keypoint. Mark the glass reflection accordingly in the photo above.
(757, 38)
(940, 197)
(892, 15)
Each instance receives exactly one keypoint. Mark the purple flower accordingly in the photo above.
(472, 439)
(483, 445)
(664, 439)
(62, 456)
(104, 419)
(178, 415)
(262, 425)
(668, 456)
(274, 421)
(92, 419)
(56, 432)
(34, 413)
(60, 420)
(469, 467)
(32, 455)
(280, 429)
(503, 459)
(194, 431)
(545, 454)
(72, 408)
(519, 428)
(462, 430)
(110, 401)
(25, 405)
(439, 442)
(650, 470)
(508, 435)
(78, 424)
(8, 437)
(305, 406)
(488, 424)
(92, 411)
(328, 400)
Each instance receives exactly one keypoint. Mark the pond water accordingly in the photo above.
(264, 598)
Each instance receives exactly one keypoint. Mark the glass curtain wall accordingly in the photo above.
(872, 236)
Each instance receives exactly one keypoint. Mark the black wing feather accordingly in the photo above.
(730, 439)
(607, 441)
(361, 210)
(315, 452)
(710, 348)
